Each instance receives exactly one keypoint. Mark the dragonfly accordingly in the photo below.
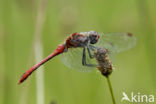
(78, 49)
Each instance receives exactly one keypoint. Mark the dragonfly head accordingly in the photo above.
(93, 37)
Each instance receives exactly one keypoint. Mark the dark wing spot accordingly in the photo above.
(130, 34)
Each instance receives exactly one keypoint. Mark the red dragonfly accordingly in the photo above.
(74, 49)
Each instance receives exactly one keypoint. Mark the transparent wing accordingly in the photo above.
(73, 59)
(116, 42)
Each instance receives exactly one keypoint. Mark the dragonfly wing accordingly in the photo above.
(73, 59)
(116, 42)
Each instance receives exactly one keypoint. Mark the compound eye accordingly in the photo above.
(93, 37)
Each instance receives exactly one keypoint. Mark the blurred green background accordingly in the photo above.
(135, 69)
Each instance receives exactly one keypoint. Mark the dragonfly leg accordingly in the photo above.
(93, 48)
(84, 63)
(89, 52)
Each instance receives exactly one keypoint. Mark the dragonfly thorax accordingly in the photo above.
(77, 40)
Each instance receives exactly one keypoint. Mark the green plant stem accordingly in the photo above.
(38, 49)
(111, 90)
